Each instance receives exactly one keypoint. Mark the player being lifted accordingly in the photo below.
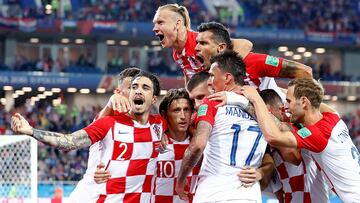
(173, 28)
(129, 143)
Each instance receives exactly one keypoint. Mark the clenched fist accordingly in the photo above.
(20, 125)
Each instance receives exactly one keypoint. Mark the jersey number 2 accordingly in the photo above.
(237, 129)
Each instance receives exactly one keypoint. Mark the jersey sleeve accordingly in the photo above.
(266, 65)
(206, 112)
(98, 129)
(311, 138)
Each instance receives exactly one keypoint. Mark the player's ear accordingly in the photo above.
(305, 101)
(154, 99)
(228, 78)
(178, 24)
(221, 47)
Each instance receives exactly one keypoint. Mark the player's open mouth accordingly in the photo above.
(161, 37)
(138, 101)
(199, 61)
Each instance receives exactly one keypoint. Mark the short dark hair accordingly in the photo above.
(170, 96)
(196, 79)
(219, 31)
(270, 97)
(229, 61)
(128, 72)
(155, 80)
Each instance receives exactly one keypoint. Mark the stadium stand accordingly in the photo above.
(335, 19)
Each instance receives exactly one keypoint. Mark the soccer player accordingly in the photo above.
(213, 38)
(117, 101)
(176, 107)
(302, 181)
(173, 28)
(198, 89)
(324, 135)
(228, 137)
(129, 142)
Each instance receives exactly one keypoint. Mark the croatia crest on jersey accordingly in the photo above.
(157, 130)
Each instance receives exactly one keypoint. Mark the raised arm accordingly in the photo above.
(76, 140)
(117, 102)
(242, 46)
(273, 135)
(293, 69)
(192, 155)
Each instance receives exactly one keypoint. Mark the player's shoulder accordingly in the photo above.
(122, 118)
(209, 102)
(192, 34)
(156, 119)
(331, 116)
(329, 120)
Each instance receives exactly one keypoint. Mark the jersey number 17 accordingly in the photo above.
(237, 129)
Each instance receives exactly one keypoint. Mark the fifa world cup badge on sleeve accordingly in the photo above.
(202, 110)
(272, 60)
(304, 132)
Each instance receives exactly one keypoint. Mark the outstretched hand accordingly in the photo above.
(20, 125)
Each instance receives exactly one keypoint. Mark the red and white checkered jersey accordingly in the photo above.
(186, 59)
(130, 154)
(300, 183)
(235, 141)
(168, 167)
(333, 150)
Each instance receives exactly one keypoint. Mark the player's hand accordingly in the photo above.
(180, 189)
(220, 97)
(249, 175)
(120, 103)
(250, 93)
(20, 125)
(101, 176)
(163, 143)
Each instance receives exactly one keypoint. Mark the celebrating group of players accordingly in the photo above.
(209, 142)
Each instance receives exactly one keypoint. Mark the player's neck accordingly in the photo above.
(232, 88)
(312, 116)
(140, 118)
(177, 136)
(180, 42)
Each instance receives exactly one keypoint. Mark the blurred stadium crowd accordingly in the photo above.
(326, 16)
(341, 16)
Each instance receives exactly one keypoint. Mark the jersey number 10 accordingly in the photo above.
(237, 129)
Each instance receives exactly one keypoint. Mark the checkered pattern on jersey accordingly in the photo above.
(292, 179)
(132, 160)
(168, 167)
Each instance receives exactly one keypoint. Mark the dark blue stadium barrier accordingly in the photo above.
(81, 79)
